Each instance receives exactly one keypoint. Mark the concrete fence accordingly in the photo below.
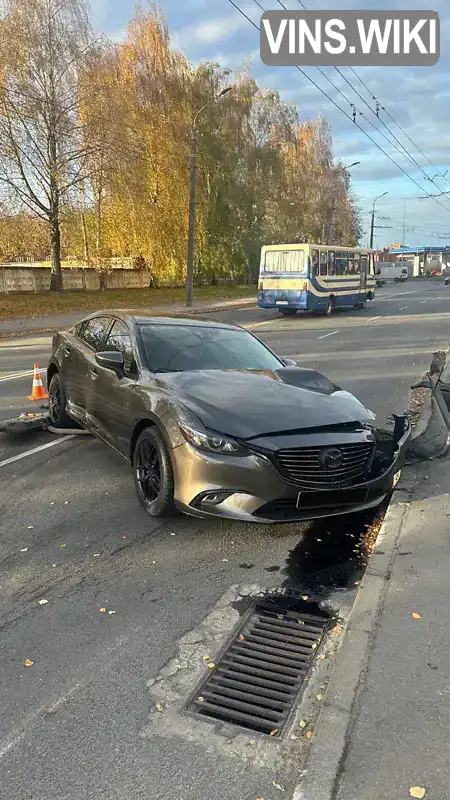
(37, 279)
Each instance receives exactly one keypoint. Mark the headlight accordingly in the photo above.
(211, 442)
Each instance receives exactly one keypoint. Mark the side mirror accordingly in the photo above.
(289, 362)
(111, 359)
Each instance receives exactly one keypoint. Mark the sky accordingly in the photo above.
(417, 99)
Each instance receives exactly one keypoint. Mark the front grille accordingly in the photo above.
(256, 682)
(303, 465)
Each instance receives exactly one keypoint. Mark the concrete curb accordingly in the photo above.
(430, 435)
(226, 306)
(334, 724)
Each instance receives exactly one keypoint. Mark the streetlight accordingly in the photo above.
(192, 190)
(333, 209)
(372, 227)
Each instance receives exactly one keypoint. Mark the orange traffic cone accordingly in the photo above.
(37, 392)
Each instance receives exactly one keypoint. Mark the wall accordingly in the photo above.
(37, 279)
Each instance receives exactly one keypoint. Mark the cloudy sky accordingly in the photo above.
(416, 98)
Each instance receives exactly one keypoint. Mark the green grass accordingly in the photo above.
(29, 304)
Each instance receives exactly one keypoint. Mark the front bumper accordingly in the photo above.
(250, 489)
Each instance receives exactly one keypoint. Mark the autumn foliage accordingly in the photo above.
(263, 176)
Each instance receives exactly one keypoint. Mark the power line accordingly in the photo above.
(330, 99)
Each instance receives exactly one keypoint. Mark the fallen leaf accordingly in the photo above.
(319, 697)
(201, 699)
(102, 610)
(24, 550)
(415, 615)
(66, 502)
(314, 646)
(54, 565)
(123, 538)
(206, 658)
(173, 534)
(242, 638)
(336, 629)
(294, 737)
(322, 657)
(52, 503)
(280, 616)
(225, 560)
(30, 527)
(305, 597)
(407, 504)
(300, 622)
(28, 662)
(309, 735)
(417, 791)
(63, 545)
(274, 732)
(43, 602)
(278, 786)
(211, 665)
(252, 741)
(111, 612)
(159, 707)
(302, 723)
(96, 555)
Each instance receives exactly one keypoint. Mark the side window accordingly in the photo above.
(354, 264)
(341, 263)
(315, 262)
(331, 263)
(119, 339)
(323, 263)
(364, 263)
(94, 332)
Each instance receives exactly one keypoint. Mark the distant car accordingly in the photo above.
(215, 424)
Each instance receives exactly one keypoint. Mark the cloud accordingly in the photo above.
(212, 31)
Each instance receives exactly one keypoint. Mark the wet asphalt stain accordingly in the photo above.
(246, 566)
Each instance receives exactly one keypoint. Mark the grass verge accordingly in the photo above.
(31, 304)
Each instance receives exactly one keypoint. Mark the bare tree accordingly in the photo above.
(43, 154)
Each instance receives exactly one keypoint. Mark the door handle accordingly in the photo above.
(92, 374)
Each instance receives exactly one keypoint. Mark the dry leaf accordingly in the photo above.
(305, 597)
(63, 545)
(123, 538)
(102, 610)
(280, 616)
(336, 629)
(314, 646)
(53, 565)
(96, 555)
(278, 786)
(201, 699)
(252, 741)
(111, 612)
(309, 735)
(300, 622)
(43, 602)
(322, 657)
(24, 550)
(415, 615)
(302, 723)
(319, 697)
(28, 662)
(211, 665)
(30, 527)
(274, 732)
(206, 658)
(417, 791)
(159, 707)
(242, 638)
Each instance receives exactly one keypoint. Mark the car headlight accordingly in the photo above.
(211, 442)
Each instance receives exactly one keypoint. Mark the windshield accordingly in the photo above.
(182, 348)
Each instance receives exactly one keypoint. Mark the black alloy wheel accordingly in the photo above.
(153, 474)
(57, 404)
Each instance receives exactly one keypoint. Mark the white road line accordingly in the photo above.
(36, 450)
(403, 308)
(16, 375)
(374, 318)
(258, 324)
(422, 301)
(328, 334)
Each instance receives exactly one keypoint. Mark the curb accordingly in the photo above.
(158, 310)
(333, 727)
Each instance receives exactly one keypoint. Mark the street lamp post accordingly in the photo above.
(372, 227)
(192, 195)
(333, 210)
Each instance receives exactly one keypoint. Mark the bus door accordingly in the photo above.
(364, 271)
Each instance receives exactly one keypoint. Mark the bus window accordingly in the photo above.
(315, 262)
(354, 264)
(284, 261)
(341, 263)
(331, 263)
(323, 263)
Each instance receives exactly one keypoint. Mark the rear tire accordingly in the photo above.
(329, 308)
(153, 474)
(363, 304)
(288, 312)
(57, 404)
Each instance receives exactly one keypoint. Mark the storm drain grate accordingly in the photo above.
(256, 682)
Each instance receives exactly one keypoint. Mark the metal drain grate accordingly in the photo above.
(256, 682)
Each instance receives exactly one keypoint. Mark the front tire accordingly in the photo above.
(57, 404)
(153, 474)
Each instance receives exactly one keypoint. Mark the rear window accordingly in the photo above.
(284, 261)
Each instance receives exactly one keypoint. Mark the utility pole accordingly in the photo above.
(372, 227)
(332, 211)
(192, 195)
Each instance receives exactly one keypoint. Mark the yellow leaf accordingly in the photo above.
(415, 615)
(337, 629)
(211, 665)
(28, 663)
(300, 622)
(53, 565)
(302, 723)
(102, 610)
(280, 616)
(201, 699)
(43, 602)
(417, 791)
(111, 612)
(274, 732)
(309, 735)
(24, 550)
(314, 646)
(241, 638)
(206, 658)
(252, 741)
(319, 697)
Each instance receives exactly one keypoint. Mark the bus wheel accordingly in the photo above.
(288, 312)
(363, 304)
(329, 308)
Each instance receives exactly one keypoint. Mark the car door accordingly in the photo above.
(81, 361)
(111, 394)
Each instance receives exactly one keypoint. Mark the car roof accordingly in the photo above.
(141, 316)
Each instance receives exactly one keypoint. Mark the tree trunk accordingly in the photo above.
(85, 240)
(56, 284)
(98, 236)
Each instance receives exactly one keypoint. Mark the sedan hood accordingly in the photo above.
(249, 404)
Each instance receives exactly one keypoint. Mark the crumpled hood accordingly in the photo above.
(249, 404)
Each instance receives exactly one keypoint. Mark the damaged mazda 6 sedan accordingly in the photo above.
(215, 424)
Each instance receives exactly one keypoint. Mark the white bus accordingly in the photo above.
(312, 277)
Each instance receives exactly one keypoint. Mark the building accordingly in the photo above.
(421, 260)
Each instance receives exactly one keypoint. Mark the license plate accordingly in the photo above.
(282, 302)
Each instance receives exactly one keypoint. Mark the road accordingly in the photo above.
(78, 722)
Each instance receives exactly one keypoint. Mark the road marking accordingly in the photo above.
(257, 324)
(36, 450)
(374, 318)
(16, 375)
(403, 308)
(328, 334)
(422, 301)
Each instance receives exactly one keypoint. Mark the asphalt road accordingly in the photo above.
(74, 724)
